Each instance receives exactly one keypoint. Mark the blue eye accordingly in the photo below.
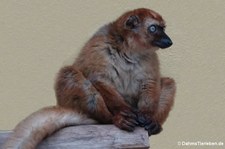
(152, 28)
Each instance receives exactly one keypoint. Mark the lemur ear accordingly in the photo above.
(132, 22)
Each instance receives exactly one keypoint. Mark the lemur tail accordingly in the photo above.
(33, 129)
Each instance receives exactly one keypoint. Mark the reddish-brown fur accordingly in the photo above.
(115, 79)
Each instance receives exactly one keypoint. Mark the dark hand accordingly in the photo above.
(151, 126)
(126, 120)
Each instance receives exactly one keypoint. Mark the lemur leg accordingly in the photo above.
(124, 116)
(74, 91)
(153, 122)
(166, 100)
(149, 97)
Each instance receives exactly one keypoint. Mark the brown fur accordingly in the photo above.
(115, 79)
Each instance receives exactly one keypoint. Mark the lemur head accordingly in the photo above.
(142, 29)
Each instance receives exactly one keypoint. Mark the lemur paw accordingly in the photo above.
(151, 126)
(125, 120)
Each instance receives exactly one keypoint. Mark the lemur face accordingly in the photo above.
(159, 37)
(144, 29)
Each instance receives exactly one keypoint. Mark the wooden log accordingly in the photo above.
(92, 137)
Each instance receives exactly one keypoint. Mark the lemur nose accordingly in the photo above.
(168, 42)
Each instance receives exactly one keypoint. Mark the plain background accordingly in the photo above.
(40, 36)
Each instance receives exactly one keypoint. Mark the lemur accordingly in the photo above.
(114, 80)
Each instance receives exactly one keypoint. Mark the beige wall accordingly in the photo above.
(38, 37)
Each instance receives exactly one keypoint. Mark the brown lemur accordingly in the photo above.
(114, 80)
